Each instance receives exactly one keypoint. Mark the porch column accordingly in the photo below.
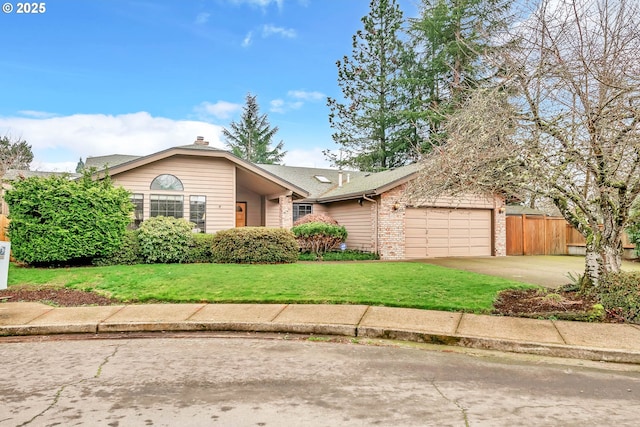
(286, 211)
(499, 227)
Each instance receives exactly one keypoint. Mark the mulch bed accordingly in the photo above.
(57, 296)
(559, 304)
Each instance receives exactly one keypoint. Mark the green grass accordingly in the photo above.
(394, 284)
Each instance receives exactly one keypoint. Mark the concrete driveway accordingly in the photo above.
(549, 271)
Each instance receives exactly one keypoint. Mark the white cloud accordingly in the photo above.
(270, 30)
(260, 3)
(277, 106)
(313, 158)
(36, 114)
(247, 39)
(281, 106)
(202, 18)
(219, 110)
(59, 141)
(306, 96)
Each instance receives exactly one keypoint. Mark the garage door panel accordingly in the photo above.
(437, 242)
(438, 232)
(415, 223)
(459, 232)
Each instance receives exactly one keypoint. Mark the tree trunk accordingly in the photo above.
(602, 257)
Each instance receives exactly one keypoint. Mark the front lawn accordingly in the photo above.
(393, 284)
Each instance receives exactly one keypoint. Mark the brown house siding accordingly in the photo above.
(272, 214)
(359, 221)
(197, 176)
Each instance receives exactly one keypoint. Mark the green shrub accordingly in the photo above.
(346, 255)
(619, 293)
(318, 237)
(254, 245)
(128, 254)
(165, 239)
(58, 220)
(200, 249)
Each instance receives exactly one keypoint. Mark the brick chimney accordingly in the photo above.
(200, 141)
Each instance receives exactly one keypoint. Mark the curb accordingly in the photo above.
(553, 350)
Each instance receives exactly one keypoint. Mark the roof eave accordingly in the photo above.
(123, 167)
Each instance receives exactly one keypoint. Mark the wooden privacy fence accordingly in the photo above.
(536, 235)
(543, 235)
(4, 224)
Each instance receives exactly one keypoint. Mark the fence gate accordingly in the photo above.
(536, 235)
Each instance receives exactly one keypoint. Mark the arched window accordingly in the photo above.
(167, 182)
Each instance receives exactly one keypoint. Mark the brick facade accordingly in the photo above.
(499, 227)
(391, 226)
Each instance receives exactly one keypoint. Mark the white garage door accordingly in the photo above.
(434, 232)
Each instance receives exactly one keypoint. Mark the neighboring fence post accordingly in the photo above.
(524, 234)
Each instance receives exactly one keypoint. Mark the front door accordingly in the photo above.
(241, 214)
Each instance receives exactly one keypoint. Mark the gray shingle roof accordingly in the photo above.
(354, 183)
(13, 174)
(306, 177)
(371, 183)
(357, 184)
(111, 160)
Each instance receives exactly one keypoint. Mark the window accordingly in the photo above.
(301, 209)
(197, 211)
(167, 182)
(138, 210)
(166, 205)
(322, 179)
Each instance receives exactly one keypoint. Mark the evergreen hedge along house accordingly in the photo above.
(216, 190)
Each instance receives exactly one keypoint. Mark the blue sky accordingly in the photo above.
(95, 77)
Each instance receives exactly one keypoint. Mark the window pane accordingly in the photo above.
(167, 182)
(166, 205)
(197, 211)
(300, 210)
(138, 210)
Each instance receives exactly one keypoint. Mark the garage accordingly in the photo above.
(440, 232)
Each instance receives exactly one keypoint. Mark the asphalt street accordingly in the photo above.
(276, 380)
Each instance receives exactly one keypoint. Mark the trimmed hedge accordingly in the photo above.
(165, 239)
(319, 237)
(200, 249)
(128, 254)
(254, 245)
(619, 293)
(58, 220)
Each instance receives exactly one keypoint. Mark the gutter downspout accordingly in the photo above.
(375, 224)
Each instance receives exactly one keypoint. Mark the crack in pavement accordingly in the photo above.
(105, 361)
(465, 417)
(56, 397)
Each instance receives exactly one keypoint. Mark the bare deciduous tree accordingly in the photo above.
(561, 122)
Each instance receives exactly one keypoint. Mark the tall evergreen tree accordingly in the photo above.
(251, 138)
(80, 166)
(451, 40)
(367, 125)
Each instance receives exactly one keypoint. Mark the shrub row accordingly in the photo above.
(170, 240)
(255, 245)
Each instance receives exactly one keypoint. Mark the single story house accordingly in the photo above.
(217, 190)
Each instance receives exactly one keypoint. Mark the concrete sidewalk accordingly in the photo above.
(593, 341)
